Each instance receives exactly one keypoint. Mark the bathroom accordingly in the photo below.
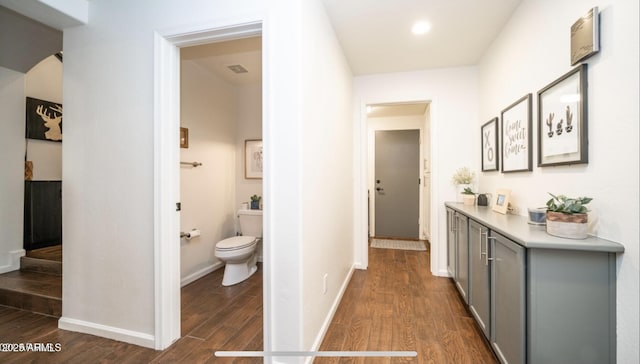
(220, 119)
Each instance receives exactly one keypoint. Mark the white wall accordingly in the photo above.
(108, 283)
(12, 146)
(207, 193)
(530, 60)
(249, 126)
(327, 172)
(44, 82)
(392, 123)
(453, 93)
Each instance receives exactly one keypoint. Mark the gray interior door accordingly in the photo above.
(397, 195)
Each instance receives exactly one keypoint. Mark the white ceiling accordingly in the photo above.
(376, 37)
(216, 57)
(376, 34)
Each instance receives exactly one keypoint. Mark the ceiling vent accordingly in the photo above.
(237, 68)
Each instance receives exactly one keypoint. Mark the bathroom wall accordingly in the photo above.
(12, 144)
(208, 193)
(248, 126)
(44, 82)
(530, 60)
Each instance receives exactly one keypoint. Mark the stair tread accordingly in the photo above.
(40, 284)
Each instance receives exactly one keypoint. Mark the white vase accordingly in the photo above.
(461, 188)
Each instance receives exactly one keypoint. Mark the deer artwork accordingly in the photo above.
(569, 119)
(549, 122)
(51, 122)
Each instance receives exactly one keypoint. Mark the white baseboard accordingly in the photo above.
(109, 332)
(12, 260)
(332, 312)
(201, 273)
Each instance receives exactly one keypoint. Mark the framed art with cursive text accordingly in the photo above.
(516, 136)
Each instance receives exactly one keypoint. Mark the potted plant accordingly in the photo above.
(255, 202)
(468, 197)
(463, 178)
(567, 217)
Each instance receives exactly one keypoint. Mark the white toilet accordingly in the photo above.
(239, 252)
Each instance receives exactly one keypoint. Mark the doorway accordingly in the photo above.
(397, 179)
(167, 171)
(398, 167)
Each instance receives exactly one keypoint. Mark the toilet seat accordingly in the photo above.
(235, 243)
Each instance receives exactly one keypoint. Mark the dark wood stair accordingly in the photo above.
(37, 286)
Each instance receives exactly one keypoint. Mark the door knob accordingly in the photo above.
(379, 189)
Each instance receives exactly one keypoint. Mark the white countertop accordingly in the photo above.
(530, 236)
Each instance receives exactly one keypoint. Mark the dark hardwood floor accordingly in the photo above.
(49, 253)
(398, 305)
(394, 305)
(213, 318)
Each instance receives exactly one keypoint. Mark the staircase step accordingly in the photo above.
(31, 291)
(29, 264)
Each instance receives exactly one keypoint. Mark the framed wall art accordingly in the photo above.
(516, 136)
(44, 120)
(562, 120)
(489, 142)
(253, 159)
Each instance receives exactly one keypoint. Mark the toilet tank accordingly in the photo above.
(250, 222)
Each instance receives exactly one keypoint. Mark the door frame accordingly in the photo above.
(372, 171)
(166, 117)
(361, 222)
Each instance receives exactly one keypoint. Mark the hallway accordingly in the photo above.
(398, 305)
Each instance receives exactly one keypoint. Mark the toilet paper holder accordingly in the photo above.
(191, 234)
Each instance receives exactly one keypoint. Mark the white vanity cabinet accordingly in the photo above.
(539, 298)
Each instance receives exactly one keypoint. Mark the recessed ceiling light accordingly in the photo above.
(420, 27)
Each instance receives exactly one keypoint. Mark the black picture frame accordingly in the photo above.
(564, 142)
(489, 149)
(515, 132)
(43, 120)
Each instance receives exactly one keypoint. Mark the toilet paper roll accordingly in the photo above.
(193, 233)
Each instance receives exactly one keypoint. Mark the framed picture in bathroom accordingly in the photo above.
(253, 159)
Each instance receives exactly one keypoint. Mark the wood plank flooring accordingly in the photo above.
(213, 318)
(394, 305)
(398, 305)
(49, 253)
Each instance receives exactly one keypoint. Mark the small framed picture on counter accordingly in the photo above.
(501, 202)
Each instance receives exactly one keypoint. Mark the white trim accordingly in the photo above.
(361, 217)
(332, 312)
(13, 260)
(166, 171)
(201, 273)
(166, 192)
(109, 332)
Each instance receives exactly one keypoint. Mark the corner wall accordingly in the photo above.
(530, 60)
(327, 173)
(453, 96)
(12, 147)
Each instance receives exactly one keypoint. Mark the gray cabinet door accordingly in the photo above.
(462, 255)
(479, 275)
(451, 243)
(508, 299)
